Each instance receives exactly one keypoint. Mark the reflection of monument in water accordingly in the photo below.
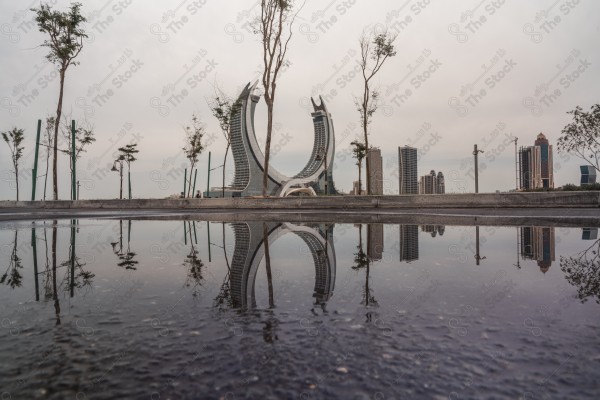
(537, 243)
(249, 251)
(409, 243)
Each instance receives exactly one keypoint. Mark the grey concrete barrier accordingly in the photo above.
(484, 200)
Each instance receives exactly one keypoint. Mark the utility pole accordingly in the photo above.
(516, 165)
(73, 159)
(35, 161)
(208, 178)
(475, 154)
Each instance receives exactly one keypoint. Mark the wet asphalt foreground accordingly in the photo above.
(437, 327)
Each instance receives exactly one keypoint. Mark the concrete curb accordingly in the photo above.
(484, 200)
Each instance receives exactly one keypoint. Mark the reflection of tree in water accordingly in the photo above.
(583, 272)
(12, 276)
(363, 261)
(80, 277)
(192, 262)
(224, 299)
(126, 258)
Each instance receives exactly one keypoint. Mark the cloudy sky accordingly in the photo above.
(466, 72)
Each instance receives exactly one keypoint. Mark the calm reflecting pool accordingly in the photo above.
(106, 309)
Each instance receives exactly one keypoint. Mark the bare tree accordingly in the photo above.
(582, 136)
(359, 151)
(275, 30)
(223, 109)
(193, 147)
(375, 49)
(65, 43)
(84, 136)
(13, 139)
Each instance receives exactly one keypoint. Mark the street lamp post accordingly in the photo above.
(475, 154)
(516, 165)
(120, 170)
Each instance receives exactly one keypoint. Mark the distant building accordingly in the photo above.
(428, 183)
(441, 183)
(355, 191)
(375, 241)
(407, 165)
(536, 165)
(588, 175)
(432, 183)
(376, 165)
(409, 243)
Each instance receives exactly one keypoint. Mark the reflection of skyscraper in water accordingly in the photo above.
(409, 243)
(375, 241)
(434, 229)
(537, 243)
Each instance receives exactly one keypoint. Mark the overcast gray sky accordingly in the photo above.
(466, 72)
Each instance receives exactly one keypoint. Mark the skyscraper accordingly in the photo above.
(536, 165)
(432, 183)
(376, 164)
(441, 183)
(428, 183)
(407, 165)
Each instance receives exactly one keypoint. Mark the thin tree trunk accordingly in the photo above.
(368, 164)
(360, 244)
(268, 266)
(368, 296)
(56, 127)
(17, 179)
(121, 177)
(269, 102)
(47, 168)
(359, 178)
(224, 164)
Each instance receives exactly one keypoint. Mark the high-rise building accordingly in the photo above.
(407, 165)
(536, 165)
(441, 183)
(376, 165)
(428, 183)
(432, 183)
(409, 243)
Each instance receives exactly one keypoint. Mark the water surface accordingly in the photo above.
(196, 309)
